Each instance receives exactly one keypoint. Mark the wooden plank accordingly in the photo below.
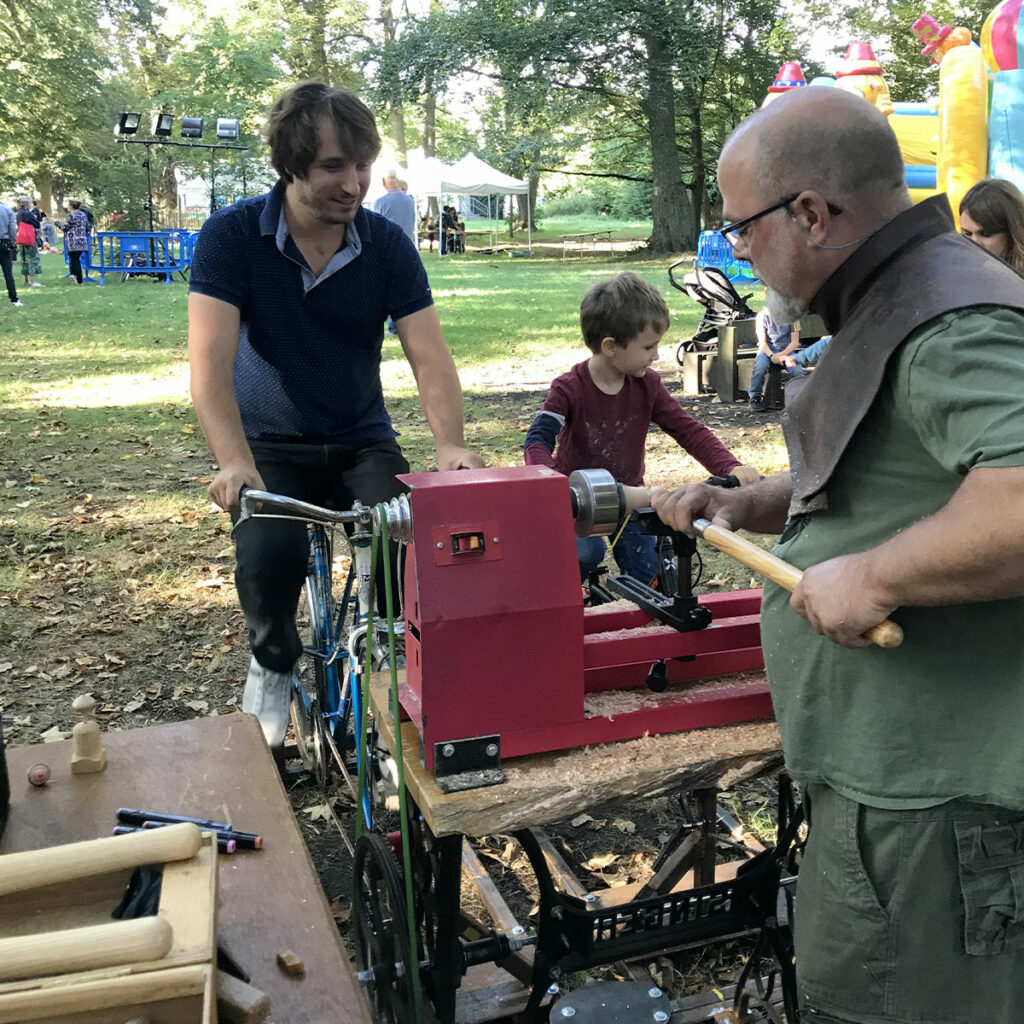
(560, 871)
(218, 768)
(545, 788)
(477, 874)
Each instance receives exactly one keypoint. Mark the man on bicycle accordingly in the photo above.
(289, 293)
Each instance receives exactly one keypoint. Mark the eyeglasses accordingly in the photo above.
(734, 232)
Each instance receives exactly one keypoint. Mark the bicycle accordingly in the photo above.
(326, 702)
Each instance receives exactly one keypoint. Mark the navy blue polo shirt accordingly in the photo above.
(309, 349)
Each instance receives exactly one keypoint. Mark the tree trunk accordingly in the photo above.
(670, 206)
(397, 112)
(44, 186)
(699, 173)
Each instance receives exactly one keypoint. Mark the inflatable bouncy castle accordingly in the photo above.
(975, 129)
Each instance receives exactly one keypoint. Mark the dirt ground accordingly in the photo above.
(139, 609)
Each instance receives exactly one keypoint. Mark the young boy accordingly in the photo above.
(598, 413)
(774, 343)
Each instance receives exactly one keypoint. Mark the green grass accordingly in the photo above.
(552, 228)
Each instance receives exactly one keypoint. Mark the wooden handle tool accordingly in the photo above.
(31, 869)
(85, 949)
(240, 1003)
(886, 634)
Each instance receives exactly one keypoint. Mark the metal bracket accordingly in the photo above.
(682, 613)
(608, 1002)
(468, 763)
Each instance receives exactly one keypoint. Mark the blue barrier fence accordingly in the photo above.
(714, 251)
(158, 253)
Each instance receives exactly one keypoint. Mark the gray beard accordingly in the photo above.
(783, 309)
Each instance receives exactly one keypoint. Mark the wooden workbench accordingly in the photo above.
(218, 768)
(545, 788)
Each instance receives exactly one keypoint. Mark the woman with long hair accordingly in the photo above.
(992, 214)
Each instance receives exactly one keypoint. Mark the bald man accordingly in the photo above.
(397, 205)
(905, 497)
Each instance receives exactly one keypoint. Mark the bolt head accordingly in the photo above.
(440, 545)
(491, 750)
(553, 990)
(495, 540)
(654, 992)
(39, 774)
(519, 930)
(590, 898)
(568, 1011)
(447, 750)
(660, 1016)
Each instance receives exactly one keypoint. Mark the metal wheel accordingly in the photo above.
(310, 741)
(380, 932)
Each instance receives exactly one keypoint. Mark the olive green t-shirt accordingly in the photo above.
(942, 716)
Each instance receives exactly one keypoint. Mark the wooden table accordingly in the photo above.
(583, 237)
(544, 788)
(540, 789)
(218, 768)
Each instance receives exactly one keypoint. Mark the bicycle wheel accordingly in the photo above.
(380, 932)
(316, 692)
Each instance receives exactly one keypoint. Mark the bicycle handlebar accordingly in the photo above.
(254, 502)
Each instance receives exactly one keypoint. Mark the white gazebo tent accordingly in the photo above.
(472, 176)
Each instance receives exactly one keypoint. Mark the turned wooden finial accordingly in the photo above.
(87, 751)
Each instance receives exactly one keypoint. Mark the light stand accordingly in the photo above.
(149, 181)
(149, 143)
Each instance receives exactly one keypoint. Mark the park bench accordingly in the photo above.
(577, 243)
(726, 370)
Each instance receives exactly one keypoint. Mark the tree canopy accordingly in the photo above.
(628, 100)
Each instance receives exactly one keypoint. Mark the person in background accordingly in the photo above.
(8, 247)
(397, 205)
(904, 498)
(992, 214)
(597, 416)
(809, 355)
(400, 208)
(76, 231)
(446, 230)
(28, 243)
(774, 342)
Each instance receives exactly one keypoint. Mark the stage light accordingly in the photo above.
(127, 124)
(227, 127)
(162, 124)
(191, 127)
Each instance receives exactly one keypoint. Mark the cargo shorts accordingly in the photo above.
(910, 916)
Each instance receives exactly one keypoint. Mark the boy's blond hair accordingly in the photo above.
(620, 308)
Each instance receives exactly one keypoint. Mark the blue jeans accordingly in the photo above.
(762, 364)
(635, 552)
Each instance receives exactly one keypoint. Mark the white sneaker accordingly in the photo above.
(18, 303)
(35, 284)
(267, 695)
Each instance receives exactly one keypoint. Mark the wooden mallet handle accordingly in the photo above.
(886, 634)
(34, 868)
(85, 949)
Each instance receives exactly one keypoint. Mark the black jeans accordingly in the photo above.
(75, 264)
(271, 555)
(7, 262)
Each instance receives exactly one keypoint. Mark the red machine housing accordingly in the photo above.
(498, 642)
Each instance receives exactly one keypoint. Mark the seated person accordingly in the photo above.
(774, 343)
(808, 356)
(598, 414)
